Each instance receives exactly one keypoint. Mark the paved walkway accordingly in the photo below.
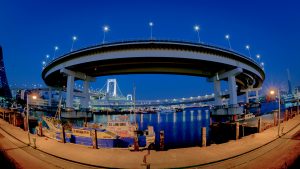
(174, 158)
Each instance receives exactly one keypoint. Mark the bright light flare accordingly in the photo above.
(196, 27)
(105, 28)
(151, 24)
(227, 36)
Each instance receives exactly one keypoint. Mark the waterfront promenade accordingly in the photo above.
(251, 151)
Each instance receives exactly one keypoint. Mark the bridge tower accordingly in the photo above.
(111, 88)
(4, 87)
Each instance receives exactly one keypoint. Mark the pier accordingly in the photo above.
(249, 147)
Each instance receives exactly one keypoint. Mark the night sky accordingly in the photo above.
(30, 29)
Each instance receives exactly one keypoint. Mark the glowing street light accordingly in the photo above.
(34, 97)
(228, 39)
(74, 38)
(258, 57)
(262, 64)
(105, 29)
(248, 48)
(197, 29)
(272, 92)
(55, 49)
(47, 58)
(151, 24)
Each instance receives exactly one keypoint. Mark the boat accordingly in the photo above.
(246, 116)
(115, 133)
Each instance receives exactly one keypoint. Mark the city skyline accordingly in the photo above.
(33, 29)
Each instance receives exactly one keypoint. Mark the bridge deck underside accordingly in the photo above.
(147, 66)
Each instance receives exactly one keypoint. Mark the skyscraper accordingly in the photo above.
(4, 87)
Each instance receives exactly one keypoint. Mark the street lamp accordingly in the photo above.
(258, 57)
(272, 92)
(74, 38)
(105, 29)
(27, 115)
(228, 39)
(151, 24)
(248, 48)
(55, 49)
(44, 64)
(197, 28)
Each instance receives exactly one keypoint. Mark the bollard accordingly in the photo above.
(161, 140)
(9, 118)
(203, 136)
(243, 127)
(63, 135)
(237, 130)
(275, 118)
(136, 144)
(40, 133)
(34, 142)
(259, 125)
(285, 115)
(15, 119)
(25, 124)
(94, 138)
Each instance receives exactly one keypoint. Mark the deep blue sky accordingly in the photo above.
(30, 29)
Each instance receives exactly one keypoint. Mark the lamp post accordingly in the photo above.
(105, 29)
(44, 64)
(248, 48)
(55, 49)
(74, 38)
(197, 28)
(27, 116)
(258, 57)
(47, 58)
(272, 92)
(228, 39)
(151, 24)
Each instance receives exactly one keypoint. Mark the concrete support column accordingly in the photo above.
(50, 97)
(86, 86)
(256, 95)
(70, 91)
(232, 90)
(217, 92)
(247, 97)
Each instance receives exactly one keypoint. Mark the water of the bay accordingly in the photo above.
(182, 129)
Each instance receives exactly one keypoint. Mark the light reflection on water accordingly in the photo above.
(182, 129)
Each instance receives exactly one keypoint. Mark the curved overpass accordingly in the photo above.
(152, 56)
(166, 57)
